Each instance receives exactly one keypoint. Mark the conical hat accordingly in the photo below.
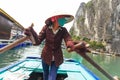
(68, 17)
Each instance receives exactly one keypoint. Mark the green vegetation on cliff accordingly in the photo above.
(93, 44)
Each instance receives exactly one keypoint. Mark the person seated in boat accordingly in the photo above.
(53, 33)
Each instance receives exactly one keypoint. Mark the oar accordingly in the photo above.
(11, 45)
(15, 43)
(86, 57)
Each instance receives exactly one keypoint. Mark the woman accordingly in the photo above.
(53, 33)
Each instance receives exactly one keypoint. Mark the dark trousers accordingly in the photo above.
(49, 72)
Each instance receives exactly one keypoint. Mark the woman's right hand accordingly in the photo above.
(27, 31)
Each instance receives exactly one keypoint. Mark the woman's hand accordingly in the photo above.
(79, 47)
(27, 31)
(116, 78)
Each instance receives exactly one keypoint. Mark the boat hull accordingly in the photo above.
(5, 28)
(31, 69)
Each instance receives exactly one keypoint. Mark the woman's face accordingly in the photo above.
(59, 21)
(55, 22)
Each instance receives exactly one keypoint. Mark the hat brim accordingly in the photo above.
(68, 17)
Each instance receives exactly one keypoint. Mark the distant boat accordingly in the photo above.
(31, 69)
(7, 23)
(10, 30)
(5, 27)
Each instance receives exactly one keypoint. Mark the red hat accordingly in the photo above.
(68, 17)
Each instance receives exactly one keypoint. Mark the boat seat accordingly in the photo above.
(39, 76)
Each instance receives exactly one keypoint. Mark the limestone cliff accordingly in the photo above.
(99, 20)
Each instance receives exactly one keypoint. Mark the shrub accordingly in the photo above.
(96, 45)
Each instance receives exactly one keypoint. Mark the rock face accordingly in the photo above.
(99, 20)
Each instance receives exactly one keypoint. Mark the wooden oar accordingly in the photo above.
(11, 45)
(86, 57)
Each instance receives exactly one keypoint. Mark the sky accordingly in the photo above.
(37, 11)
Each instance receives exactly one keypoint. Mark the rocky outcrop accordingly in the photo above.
(99, 20)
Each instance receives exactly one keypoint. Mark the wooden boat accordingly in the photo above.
(31, 69)
(6, 24)
(10, 30)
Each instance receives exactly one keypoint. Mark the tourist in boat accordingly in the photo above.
(53, 33)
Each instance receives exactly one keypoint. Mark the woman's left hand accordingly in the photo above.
(79, 47)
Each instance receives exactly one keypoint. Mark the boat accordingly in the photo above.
(10, 30)
(30, 68)
(7, 24)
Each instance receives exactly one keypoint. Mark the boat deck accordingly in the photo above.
(23, 70)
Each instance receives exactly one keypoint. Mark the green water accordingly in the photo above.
(108, 63)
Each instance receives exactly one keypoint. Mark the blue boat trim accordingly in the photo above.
(33, 58)
(90, 72)
(24, 44)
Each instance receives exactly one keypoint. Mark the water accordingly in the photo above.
(14, 55)
(109, 63)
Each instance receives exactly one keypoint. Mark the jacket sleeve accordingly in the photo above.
(42, 34)
(68, 40)
(37, 39)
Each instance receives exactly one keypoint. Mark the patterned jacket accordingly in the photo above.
(52, 44)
